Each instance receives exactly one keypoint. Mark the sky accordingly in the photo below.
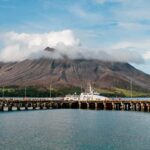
(115, 30)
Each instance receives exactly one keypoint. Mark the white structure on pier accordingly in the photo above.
(84, 96)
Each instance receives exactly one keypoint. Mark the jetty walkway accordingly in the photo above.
(36, 104)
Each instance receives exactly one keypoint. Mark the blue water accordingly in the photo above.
(74, 130)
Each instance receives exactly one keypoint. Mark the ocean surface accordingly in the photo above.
(74, 129)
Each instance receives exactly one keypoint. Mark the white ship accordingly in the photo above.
(91, 95)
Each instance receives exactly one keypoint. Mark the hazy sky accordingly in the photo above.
(105, 29)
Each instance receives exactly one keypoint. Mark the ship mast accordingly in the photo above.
(25, 92)
(90, 88)
(3, 92)
(131, 87)
(50, 90)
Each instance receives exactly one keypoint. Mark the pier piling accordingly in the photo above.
(125, 105)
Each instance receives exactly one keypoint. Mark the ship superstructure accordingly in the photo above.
(85, 96)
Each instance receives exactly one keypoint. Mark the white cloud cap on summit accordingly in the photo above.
(20, 46)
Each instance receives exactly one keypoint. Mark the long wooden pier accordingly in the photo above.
(28, 104)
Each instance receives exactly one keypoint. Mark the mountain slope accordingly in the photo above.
(66, 72)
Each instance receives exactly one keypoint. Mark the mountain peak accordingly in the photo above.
(49, 49)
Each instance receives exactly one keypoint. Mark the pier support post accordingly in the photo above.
(88, 105)
(56, 105)
(61, 105)
(122, 106)
(34, 106)
(96, 106)
(9, 107)
(37, 105)
(18, 107)
(137, 107)
(148, 107)
(142, 107)
(41, 107)
(70, 104)
(131, 106)
(1, 108)
(47, 106)
(134, 107)
(50, 105)
(128, 106)
(79, 105)
(105, 107)
(26, 106)
(113, 106)
(44, 106)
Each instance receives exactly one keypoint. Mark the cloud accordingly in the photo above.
(110, 1)
(147, 55)
(20, 46)
(132, 26)
(87, 15)
(140, 47)
(130, 11)
(127, 54)
(128, 14)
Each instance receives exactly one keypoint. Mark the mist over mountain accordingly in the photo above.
(72, 72)
(61, 44)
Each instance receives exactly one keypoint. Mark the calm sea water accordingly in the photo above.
(70, 129)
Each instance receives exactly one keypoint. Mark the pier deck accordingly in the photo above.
(35, 104)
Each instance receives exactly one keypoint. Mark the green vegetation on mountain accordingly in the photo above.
(118, 92)
(39, 92)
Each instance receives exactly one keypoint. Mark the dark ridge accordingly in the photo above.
(49, 49)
